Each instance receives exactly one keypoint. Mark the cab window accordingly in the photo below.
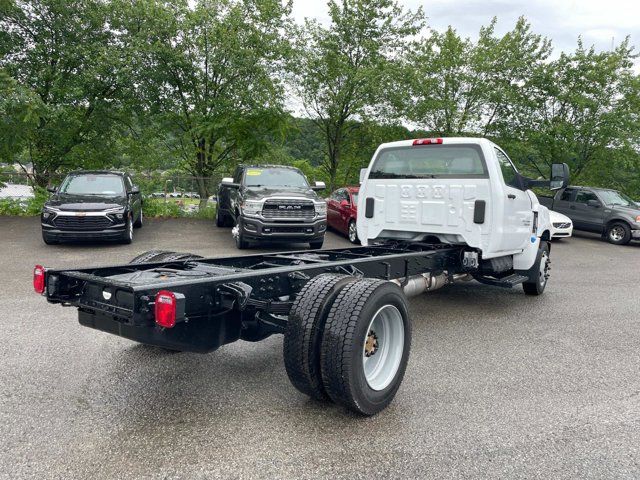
(566, 195)
(430, 161)
(509, 172)
(584, 197)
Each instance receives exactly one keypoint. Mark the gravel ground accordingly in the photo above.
(499, 385)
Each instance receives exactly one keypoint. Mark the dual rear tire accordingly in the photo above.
(348, 340)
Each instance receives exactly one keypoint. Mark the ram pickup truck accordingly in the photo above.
(601, 210)
(267, 203)
(432, 212)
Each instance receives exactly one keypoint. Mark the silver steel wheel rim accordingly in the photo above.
(352, 232)
(544, 268)
(130, 228)
(616, 234)
(140, 217)
(383, 347)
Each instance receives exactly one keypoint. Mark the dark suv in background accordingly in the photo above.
(267, 203)
(92, 205)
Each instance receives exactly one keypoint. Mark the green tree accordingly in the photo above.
(58, 52)
(453, 86)
(342, 69)
(209, 72)
(585, 112)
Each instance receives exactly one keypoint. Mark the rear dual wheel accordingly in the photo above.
(349, 340)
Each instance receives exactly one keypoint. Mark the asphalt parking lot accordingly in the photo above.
(498, 385)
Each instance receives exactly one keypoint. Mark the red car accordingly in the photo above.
(342, 212)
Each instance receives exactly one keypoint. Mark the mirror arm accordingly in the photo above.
(529, 182)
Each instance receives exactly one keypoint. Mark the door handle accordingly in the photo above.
(572, 207)
(511, 196)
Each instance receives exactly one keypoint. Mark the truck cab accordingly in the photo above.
(462, 191)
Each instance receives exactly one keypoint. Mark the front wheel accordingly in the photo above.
(365, 346)
(139, 221)
(238, 236)
(221, 219)
(542, 269)
(619, 234)
(128, 231)
(353, 232)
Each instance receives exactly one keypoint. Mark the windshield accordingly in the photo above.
(274, 177)
(110, 185)
(611, 197)
(432, 161)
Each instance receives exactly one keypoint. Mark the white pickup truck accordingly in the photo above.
(461, 191)
(432, 212)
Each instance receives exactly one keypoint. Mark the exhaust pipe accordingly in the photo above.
(427, 282)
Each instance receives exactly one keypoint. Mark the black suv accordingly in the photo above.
(92, 205)
(271, 203)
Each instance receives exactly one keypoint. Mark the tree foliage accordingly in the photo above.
(209, 74)
(197, 86)
(59, 53)
(341, 70)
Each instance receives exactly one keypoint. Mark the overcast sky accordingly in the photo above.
(597, 21)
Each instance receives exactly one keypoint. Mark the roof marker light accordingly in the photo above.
(427, 141)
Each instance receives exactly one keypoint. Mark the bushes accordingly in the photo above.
(27, 208)
(152, 207)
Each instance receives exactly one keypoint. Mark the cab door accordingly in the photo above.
(517, 221)
(588, 217)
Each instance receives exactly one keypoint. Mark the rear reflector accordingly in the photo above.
(165, 308)
(427, 141)
(38, 279)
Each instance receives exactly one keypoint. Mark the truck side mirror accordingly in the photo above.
(319, 186)
(344, 203)
(134, 190)
(363, 174)
(228, 182)
(559, 176)
(593, 203)
(51, 188)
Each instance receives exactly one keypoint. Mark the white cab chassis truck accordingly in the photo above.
(458, 191)
(432, 212)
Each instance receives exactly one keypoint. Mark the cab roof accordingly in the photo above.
(97, 172)
(442, 140)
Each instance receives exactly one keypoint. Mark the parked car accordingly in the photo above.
(271, 203)
(342, 212)
(561, 225)
(92, 205)
(608, 212)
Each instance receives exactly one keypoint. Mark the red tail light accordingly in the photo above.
(38, 279)
(427, 141)
(165, 308)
